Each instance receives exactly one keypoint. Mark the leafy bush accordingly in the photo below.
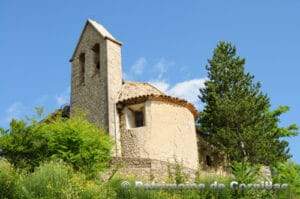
(51, 180)
(56, 179)
(59, 180)
(8, 178)
(76, 141)
(22, 145)
(244, 172)
(288, 172)
(79, 143)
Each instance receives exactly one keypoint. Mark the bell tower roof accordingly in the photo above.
(100, 29)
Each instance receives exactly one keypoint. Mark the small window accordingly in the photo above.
(96, 57)
(208, 161)
(135, 116)
(82, 68)
(139, 118)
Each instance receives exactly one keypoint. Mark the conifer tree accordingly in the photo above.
(237, 118)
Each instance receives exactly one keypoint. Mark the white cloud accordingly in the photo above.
(18, 110)
(161, 67)
(15, 110)
(188, 90)
(63, 98)
(138, 67)
(141, 67)
(161, 85)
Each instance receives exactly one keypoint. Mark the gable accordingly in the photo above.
(99, 29)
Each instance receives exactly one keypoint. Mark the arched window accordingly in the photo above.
(82, 68)
(96, 57)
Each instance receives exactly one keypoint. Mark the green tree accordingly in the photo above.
(76, 141)
(237, 117)
(22, 145)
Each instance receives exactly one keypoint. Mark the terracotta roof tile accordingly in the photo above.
(135, 89)
(137, 92)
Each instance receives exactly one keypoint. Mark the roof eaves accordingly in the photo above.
(164, 98)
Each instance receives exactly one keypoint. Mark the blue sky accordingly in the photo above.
(165, 42)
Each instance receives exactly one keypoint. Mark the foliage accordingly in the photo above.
(58, 180)
(23, 146)
(8, 179)
(288, 172)
(237, 117)
(244, 173)
(78, 142)
(176, 173)
(75, 141)
(50, 180)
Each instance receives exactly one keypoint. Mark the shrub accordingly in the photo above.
(58, 180)
(50, 180)
(288, 172)
(22, 145)
(8, 178)
(76, 141)
(244, 172)
(79, 143)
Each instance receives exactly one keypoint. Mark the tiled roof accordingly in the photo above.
(136, 92)
(134, 89)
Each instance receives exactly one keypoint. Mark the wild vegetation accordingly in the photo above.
(57, 157)
(75, 141)
(237, 116)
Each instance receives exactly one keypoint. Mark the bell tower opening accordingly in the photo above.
(82, 68)
(96, 57)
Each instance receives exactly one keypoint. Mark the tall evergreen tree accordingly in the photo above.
(237, 117)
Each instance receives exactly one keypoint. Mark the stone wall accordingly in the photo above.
(168, 135)
(98, 95)
(218, 164)
(90, 97)
(149, 170)
(114, 79)
(173, 134)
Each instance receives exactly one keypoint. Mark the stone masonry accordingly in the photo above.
(150, 130)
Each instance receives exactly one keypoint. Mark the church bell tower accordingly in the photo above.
(96, 76)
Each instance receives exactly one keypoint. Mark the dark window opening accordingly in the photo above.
(208, 161)
(82, 68)
(139, 118)
(96, 55)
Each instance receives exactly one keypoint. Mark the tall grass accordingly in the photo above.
(55, 179)
(51, 180)
(8, 179)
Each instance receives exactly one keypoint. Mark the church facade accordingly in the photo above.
(148, 127)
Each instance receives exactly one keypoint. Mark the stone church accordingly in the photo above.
(149, 128)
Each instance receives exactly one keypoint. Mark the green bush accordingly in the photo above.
(244, 172)
(79, 143)
(22, 145)
(50, 180)
(8, 178)
(76, 141)
(288, 172)
(59, 180)
(56, 179)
